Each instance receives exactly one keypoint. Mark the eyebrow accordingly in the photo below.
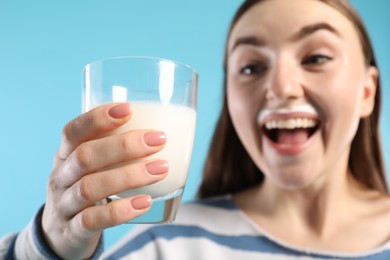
(248, 40)
(301, 34)
(310, 29)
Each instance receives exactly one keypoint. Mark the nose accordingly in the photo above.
(284, 81)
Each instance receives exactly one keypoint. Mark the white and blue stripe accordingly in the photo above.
(208, 229)
(217, 229)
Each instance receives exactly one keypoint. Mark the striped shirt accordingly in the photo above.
(217, 229)
(207, 229)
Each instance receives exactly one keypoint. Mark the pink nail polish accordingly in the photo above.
(157, 167)
(155, 138)
(141, 202)
(120, 110)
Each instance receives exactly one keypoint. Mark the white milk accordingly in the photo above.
(178, 122)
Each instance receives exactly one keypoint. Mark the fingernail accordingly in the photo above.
(157, 167)
(141, 202)
(155, 138)
(120, 110)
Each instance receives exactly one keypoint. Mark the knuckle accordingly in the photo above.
(71, 128)
(86, 221)
(134, 173)
(83, 189)
(126, 144)
(53, 184)
(134, 176)
(77, 125)
(127, 173)
(82, 156)
(132, 144)
(66, 132)
(130, 179)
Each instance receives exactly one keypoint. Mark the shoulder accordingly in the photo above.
(378, 219)
(375, 217)
(381, 208)
(378, 205)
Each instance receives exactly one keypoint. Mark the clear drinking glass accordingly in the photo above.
(162, 95)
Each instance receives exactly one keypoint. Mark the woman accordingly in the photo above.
(294, 168)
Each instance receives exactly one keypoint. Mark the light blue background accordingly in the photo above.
(45, 44)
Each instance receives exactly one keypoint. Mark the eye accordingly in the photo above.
(252, 69)
(316, 59)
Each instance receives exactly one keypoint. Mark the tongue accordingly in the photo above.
(292, 137)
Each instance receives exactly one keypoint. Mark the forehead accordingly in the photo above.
(279, 19)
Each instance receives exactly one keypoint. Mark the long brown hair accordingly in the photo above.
(230, 169)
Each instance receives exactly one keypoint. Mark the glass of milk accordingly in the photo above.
(162, 95)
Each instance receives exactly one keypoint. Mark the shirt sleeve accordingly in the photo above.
(31, 244)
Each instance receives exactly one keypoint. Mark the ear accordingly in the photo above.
(369, 91)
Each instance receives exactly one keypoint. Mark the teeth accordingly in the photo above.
(290, 123)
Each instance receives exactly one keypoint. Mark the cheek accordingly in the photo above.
(243, 109)
(338, 98)
(344, 97)
(242, 106)
(339, 89)
(347, 88)
(236, 106)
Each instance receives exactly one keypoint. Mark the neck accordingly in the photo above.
(306, 210)
(314, 211)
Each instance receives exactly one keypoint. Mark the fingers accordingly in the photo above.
(95, 187)
(118, 212)
(105, 152)
(88, 168)
(92, 124)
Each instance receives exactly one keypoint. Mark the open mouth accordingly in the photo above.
(291, 131)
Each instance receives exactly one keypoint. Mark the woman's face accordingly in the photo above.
(297, 86)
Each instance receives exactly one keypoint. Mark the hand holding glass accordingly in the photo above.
(162, 96)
